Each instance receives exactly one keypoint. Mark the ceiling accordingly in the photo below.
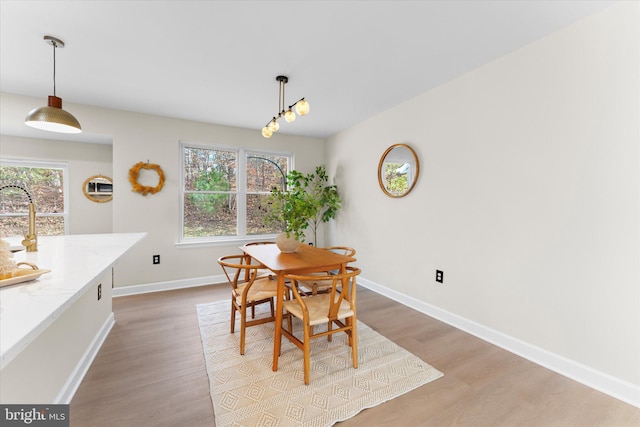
(216, 61)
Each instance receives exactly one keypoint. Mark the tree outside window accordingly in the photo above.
(225, 190)
(45, 182)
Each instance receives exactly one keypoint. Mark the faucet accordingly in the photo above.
(30, 239)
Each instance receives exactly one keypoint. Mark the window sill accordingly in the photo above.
(227, 242)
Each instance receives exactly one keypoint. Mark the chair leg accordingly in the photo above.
(348, 322)
(307, 355)
(353, 339)
(329, 327)
(233, 316)
(243, 323)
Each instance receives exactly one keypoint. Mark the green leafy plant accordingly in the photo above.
(307, 201)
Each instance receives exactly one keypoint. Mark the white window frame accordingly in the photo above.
(241, 192)
(65, 188)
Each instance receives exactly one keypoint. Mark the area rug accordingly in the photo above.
(246, 392)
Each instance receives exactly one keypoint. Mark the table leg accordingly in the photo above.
(278, 335)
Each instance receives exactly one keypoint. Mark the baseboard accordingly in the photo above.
(167, 286)
(73, 382)
(605, 383)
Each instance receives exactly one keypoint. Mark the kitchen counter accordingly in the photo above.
(27, 309)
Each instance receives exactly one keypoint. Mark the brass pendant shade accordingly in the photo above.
(53, 118)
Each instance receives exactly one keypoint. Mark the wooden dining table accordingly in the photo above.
(306, 259)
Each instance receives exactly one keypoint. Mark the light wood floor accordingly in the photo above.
(151, 372)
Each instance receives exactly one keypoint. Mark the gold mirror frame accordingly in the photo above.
(92, 191)
(411, 172)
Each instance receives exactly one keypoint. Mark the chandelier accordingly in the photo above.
(52, 117)
(301, 106)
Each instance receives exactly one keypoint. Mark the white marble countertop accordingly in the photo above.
(27, 309)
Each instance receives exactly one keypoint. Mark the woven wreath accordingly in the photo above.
(134, 173)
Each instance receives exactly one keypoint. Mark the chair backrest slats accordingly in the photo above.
(233, 267)
(343, 289)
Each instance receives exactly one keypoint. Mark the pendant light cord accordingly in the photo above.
(53, 43)
(281, 98)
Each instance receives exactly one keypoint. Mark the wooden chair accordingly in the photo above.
(318, 286)
(337, 307)
(248, 289)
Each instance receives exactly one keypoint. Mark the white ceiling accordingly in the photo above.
(216, 61)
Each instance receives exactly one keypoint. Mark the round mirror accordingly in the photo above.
(398, 170)
(98, 188)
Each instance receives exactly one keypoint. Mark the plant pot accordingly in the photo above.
(286, 244)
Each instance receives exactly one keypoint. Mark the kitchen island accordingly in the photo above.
(52, 327)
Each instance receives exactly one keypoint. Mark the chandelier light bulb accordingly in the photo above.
(266, 132)
(289, 116)
(273, 125)
(302, 107)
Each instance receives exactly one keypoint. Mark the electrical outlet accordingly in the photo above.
(156, 259)
(439, 276)
(99, 291)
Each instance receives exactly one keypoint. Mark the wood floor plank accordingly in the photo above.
(151, 372)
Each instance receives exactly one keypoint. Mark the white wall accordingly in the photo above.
(140, 138)
(83, 160)
(528, 197)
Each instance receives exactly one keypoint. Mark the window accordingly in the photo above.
(224, 191)
(46, 185)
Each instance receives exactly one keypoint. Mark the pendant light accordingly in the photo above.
(52, 117)
(301, 107)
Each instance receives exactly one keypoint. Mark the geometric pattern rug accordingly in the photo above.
(246, 392)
